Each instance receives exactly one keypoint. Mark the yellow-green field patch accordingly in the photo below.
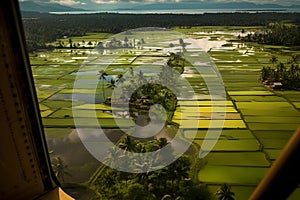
(231, 175)
(274, 143)
(274, 134)
(233, 145)
(63, 113)
(205, 109)
(273, 153)
(257, 159)
(205, 103)
(258, 98)
(46, 113)
(250, 93)
(272, 126)
(86, 122)
(227, 134)
(195, 124)
(269, 119)
(296, 104)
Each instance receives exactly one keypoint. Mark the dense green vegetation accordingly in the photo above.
(276, 34)
(151, 92)
(258, 121)
(282, 75)
(225, 193)
(171, 182)
(43, 28)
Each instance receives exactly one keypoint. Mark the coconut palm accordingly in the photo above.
(112, 84)
(225, 193)
(120, 79)
(293, 59)
(178, 170)
(102, 76)
(273, 59)
(182, 44)
(126, 41)
(142, 167)
(131, 71)
(141, 78)
(127, 143)
(113, 157)
(70, 42)
(162, 142)
(60, 168)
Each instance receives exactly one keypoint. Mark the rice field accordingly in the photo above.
(256, 122)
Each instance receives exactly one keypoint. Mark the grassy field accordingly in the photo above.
(242, 156)
(257, 122)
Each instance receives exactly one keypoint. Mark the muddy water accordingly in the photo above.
(81, 164)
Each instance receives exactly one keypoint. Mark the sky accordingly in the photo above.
(105, 4)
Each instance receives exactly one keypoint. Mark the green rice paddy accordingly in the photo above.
(257, 159)
(257, 122)
(232, 174)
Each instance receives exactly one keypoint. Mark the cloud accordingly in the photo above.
(105, 1)
(66, 2)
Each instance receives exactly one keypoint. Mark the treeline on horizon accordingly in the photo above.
(42, 28)
(276, 34)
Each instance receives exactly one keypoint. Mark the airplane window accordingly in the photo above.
(164, 99)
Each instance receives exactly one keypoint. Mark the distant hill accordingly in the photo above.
(45, 7)
(204, 5)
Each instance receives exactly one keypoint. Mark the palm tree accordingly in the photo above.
(182, 44)
(126, 41)
(274, 59)
(102, 76)
(178, 170)
(162, 142)
(293, 59)
(70, 42)
(113, 157)
(112, 84)
(127, 143)
(60, 168)
(120, 79)
(141, 78)
(265, 73)
(143, 169)
(225, 193)
(131, 71)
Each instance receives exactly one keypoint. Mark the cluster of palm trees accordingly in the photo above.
(285, 75)
(276, 34)
(127, 143)
(149, 91)
(170, 182)
(110, 84)
(117, 43)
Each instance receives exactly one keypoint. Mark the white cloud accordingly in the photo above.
(105, 1)
(66, 2)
